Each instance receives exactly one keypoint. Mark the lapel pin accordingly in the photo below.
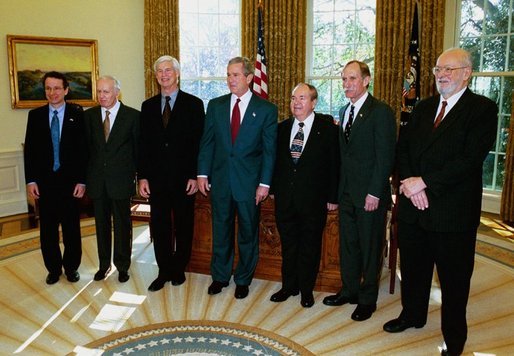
(71, 119)
(253, 114)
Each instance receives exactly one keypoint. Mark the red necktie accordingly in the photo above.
(236, 121)
(439, 117)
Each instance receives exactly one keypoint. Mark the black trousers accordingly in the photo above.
(453, 254)
(58, 207)
(172, 256)
(301, 234)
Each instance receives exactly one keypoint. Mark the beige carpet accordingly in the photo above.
(38, 319)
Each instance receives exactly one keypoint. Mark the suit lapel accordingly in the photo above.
(361, 116)
(312, 140)
(449, 120)
(118, 123)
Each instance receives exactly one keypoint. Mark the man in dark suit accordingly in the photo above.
(305, 188)
(236, 160)
(367, 142)
(171, 127)
(55, 163)
(440, 159)
(112, 133)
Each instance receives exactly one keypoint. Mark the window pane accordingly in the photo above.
(209, 37)
(322, 61)
(488, 171)
(486, 86)
(323, 5)
(472, 17)
(344, 5)
(511, 52)
(497, 16)
(500, 172)
(495, 49)
(472, 45)
(508, 87)
(323, 24)
(504, 133)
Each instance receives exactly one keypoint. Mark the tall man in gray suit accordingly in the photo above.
(112, 131)
(237, 155)
(440, 158)
(367, 139)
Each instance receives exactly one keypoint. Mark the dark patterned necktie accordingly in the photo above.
(348, 127)
(297, 144)
(54, 130)
(440, 116)
(107, 125)
(166, 114)
(236, 121)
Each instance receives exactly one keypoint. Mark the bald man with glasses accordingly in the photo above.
(440, 158)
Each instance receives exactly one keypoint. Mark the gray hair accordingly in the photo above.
(166, 58)
(117, 84)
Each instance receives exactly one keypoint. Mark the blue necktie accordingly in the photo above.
(54, 129)
(297, 144)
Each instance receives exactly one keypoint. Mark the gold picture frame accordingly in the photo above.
(31, 57)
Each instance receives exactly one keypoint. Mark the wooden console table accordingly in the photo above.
(269, 264)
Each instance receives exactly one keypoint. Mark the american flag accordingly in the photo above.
(260, 79)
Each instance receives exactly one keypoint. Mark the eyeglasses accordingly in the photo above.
(445, 70)
(56, 89)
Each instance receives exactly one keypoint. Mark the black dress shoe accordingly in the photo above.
(157, 284)
(338, 299)
(73, 276)
(216, 287)
(101, 274)
(363, 312)
(179, 280)
(123, 277)
(307, 300)
(398, 325)
(52, 278)
(282, 295)
(445, 352)
(241, 292)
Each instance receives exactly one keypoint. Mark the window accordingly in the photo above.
(486, 31)
(209, 37)
(341, 30)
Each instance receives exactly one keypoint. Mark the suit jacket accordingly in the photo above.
(238, 169)
(38, 148)
(367, 159)
(168, 157)
(312, 182)
(449, 160)
(112, 164)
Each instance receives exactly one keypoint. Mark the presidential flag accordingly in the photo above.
(260, 78)
(410, 89)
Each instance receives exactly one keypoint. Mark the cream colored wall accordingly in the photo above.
(116, 24)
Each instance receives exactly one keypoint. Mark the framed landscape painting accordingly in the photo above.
(31, 57)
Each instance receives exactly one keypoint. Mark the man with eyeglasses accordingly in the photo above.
(55, 164)
(440, 158)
